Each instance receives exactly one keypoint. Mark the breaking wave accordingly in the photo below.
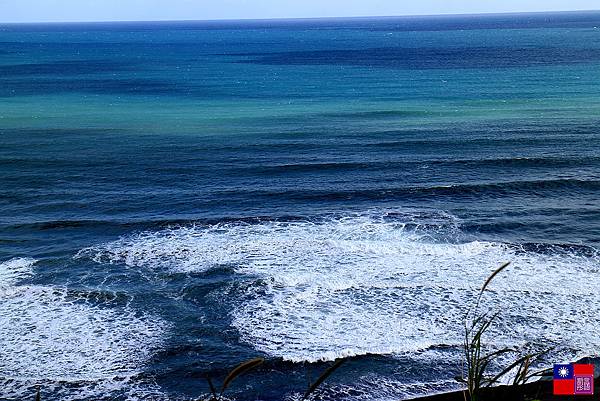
(67, 345)
(377, 283)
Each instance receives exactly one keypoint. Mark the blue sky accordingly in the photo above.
(119, 10)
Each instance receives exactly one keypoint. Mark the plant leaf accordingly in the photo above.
(496, 354)
(490, 278)
(239, 370)
(542, 372)
(323, 377)
(213, 391)
(508, 369)
(521, 376)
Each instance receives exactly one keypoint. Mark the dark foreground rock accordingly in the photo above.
(540, 390)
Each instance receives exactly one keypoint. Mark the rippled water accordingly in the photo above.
(178, 197)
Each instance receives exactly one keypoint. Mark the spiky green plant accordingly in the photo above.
(477, 361)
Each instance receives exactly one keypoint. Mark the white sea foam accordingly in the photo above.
(379, 388)
(15, 270)
(371, 284)
(77, 349)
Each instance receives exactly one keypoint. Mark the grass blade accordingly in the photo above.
(543, 372)
(490, 357)
(213, 391)
(491, 277)
(508, 369)
(239, 370)
(521, 375)
(323, 377)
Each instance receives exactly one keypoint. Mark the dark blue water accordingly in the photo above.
(176, 198)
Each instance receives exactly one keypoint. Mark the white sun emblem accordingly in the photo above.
(563, 372)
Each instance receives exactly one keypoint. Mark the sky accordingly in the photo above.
(150, 10)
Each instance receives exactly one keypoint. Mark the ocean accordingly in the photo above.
(179, 197)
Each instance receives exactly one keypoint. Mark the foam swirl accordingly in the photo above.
(377, 284)
(79, 349)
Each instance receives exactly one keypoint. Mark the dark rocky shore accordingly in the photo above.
(540, 390)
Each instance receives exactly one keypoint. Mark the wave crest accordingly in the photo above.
(376, 284)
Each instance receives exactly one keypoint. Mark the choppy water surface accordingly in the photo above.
(178, 197)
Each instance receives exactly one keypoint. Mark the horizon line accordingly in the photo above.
(484, 14)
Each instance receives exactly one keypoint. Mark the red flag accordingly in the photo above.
(573, 379)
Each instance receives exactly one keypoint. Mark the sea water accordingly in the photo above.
(176, 198)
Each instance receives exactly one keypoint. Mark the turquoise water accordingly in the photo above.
(178, 197)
